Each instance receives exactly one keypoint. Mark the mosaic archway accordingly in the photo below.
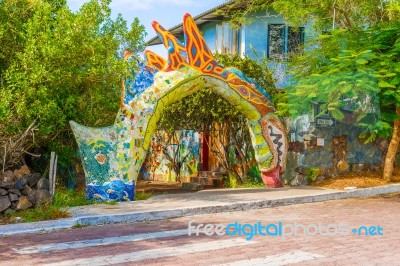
(112, 156)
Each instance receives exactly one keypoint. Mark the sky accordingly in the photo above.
(167, 12)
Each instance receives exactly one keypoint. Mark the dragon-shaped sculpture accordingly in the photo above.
(112, 156)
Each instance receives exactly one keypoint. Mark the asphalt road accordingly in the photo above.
(343, 232)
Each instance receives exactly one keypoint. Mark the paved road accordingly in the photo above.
(168, 243)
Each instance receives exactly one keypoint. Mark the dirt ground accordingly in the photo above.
(359, 180)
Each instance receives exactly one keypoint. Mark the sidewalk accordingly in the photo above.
(206, 201)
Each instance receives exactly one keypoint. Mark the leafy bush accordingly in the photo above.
(312, 174)
(57, 65)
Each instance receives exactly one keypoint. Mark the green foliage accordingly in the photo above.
(312, 174)
(353, 66)
(255, 174)
(142, 195)
(199, 110)
(231, 183)
(251, 184)
(196, 111)
(64, 197)
(322, 14)
(57, 65)
(256, 70)
(42, 213)
(356, 69)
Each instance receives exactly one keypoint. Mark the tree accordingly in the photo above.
(324, 14)
(355, 58)
(56, 66)
(207, 112)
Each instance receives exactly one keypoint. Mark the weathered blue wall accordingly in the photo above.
(256, 34)
(255, 42)
(209, 33)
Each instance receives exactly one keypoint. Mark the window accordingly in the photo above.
(283, 40)
(276, 41)
(227, 39)
(295, 39)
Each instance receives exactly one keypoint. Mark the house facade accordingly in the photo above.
(268, 35)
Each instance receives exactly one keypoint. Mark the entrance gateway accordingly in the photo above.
(112, 156)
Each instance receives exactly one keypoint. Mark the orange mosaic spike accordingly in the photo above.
(176, 50)
(155, 61)
(198, 53)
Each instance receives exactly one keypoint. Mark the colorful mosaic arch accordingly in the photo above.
(112, 156)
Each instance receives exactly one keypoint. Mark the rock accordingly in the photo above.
(13, 205)
(8, 176)
(20, 183)
(43, 183)
(23, 203)
(4, 203)
(15, 191)
(3, 192)
(7, 185)
(26, 191)
(13, 197)
(42, 197)
(24, 170)
(32, 196)
(18, 220)
(33, 179)
(299, 180)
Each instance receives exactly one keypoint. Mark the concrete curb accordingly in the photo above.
(140, 216)
(37, 227)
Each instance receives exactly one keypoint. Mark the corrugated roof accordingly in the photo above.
(204, 17)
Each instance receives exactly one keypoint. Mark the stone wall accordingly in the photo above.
(342, 150)
(21, 189)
